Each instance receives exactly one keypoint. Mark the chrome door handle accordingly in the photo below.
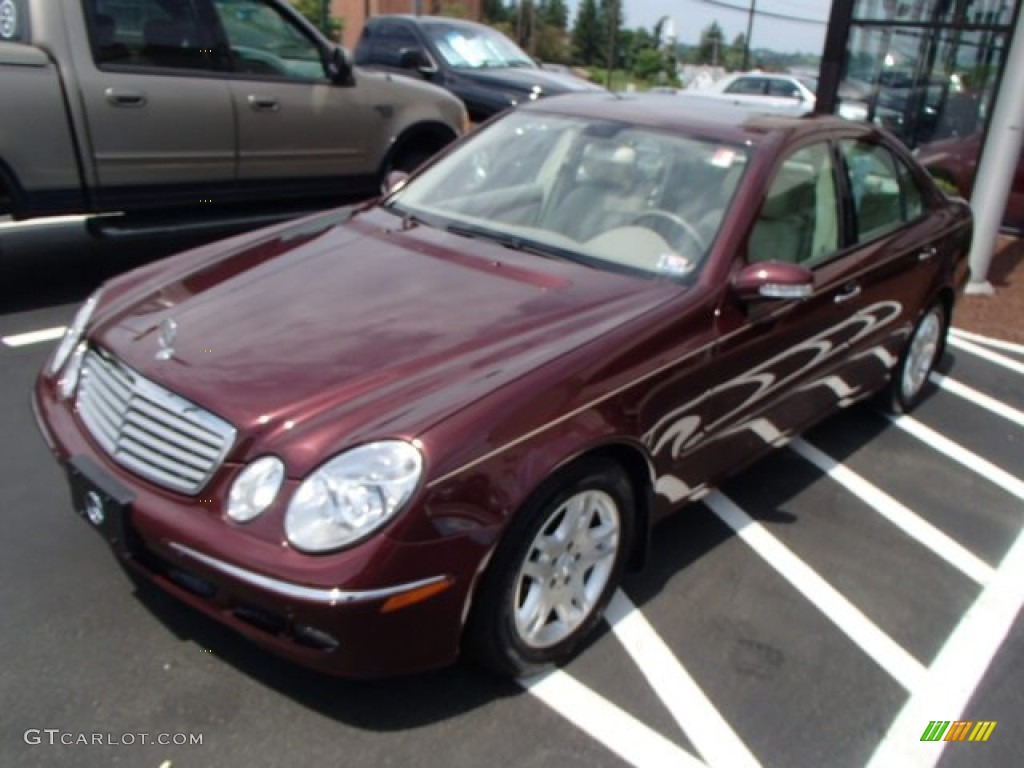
(121, 98)
(927, 253)
(850, 291)
(263, 103)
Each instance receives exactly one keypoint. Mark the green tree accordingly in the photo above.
(734, 56)
(710, 49)
(314, 11)
(587, 35)
(553, 13)
(496, 12)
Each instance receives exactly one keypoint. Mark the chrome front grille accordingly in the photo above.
(148, 429)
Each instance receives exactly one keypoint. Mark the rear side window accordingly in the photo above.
(885, 194)
(13, 21)
(747, 85)
(149, 34)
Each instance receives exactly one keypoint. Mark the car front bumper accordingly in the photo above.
(381, 608)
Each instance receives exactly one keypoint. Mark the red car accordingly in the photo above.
(448, 420)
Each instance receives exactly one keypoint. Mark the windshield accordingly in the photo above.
(611, 195)
(475, 47)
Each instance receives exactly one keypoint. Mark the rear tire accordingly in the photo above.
(554, 571)
(918, 360)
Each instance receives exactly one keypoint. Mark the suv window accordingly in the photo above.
(885, 193)
(12, 21)
(147, 33)
(264, 42)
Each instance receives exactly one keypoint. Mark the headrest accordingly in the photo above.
(608, 163)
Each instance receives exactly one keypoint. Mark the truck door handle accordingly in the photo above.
(850, 291)
(927, 253)
(263, 103)
(120, 98)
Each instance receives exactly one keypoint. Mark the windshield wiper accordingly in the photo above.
(509, 241)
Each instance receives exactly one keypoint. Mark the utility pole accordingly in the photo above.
(613, 28)
(750, 31)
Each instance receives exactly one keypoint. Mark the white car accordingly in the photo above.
(785, 94)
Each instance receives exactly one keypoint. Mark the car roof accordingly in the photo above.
(423, 20)
(705, 116)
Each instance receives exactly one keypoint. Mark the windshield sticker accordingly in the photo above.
(723, 158)
(674, 264)
(8, 20)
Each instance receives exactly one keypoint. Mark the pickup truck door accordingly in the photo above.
(297, 130)
(159, 115)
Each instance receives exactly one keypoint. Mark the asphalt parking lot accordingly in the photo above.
(822, 609)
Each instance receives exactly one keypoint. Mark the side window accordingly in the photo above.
(264, 42)
(783, 88)
(149, 34)
(799, 219)
(747, 85)
(389, 43)
(885, 194)
(13, 21)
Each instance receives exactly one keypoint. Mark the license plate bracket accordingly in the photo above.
(101, 500)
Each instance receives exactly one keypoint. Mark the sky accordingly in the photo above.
(692, 16)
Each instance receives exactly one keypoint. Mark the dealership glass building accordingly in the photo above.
(939, 74)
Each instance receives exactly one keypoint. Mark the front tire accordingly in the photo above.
(918, 360)
(555, 571)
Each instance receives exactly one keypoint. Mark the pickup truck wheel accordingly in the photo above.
(555, 571)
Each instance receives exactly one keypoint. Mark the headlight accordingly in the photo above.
(352, 495)
(73, 334)
(255, 489)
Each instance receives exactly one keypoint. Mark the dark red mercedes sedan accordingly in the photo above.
(448, 419)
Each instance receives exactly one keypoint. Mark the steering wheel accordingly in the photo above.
(656, 220)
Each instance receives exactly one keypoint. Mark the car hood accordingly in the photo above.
(368, 326)
(526, 79)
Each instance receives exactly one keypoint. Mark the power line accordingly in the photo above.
(766, 14)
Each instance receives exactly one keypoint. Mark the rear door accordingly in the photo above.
(298, 132)
(896, 244)
(160, 119)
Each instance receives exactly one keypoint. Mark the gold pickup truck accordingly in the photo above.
(155, 107)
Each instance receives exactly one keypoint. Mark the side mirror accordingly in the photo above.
(773, 280)
(415, 59)
(339, 67)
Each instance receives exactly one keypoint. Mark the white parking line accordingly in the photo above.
(979, 398)
(885, 651)
(960, 665)
(961, 455)
(987, 354)
(714, 739)
(907, 521)
(1005, 346)
(33, 337)
(623, 734)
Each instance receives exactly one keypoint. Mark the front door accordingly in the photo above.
(297, 131)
